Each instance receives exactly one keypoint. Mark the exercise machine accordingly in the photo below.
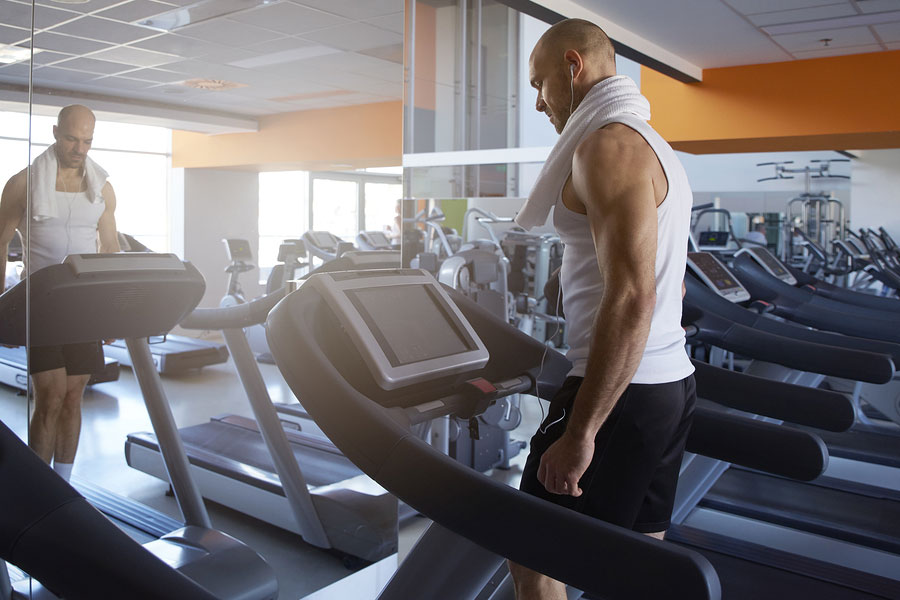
(132, 297)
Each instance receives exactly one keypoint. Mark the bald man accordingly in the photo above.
(612, 443)
(78, 222)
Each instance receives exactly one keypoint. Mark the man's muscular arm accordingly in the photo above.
(612, 177)
(12, 206)
(106, 226)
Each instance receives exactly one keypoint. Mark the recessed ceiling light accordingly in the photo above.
(212, 85)
(72, 1)
(13, 54)
(199, 12)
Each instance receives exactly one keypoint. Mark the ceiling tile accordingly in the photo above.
(889, 32)
(838, 51)
(179, 45)
(354, 37)
(66, 43)
(15, 72)
(354, 9)
(154, 75)
(13, 35)
(104, 30)
(135, 56)
(19, 15)
(752, 7)
(121, 83)
(50, 75)
(393, 22)
(85, 8)
(92, 65)
(872, 6)
(810, 40)
(135, 10)
(45, 58)
(288, 18)
(228, 33)
(280, 45)
(802, 14)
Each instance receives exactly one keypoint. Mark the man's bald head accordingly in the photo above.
(584, 37)
(75, 113)
(74, 134)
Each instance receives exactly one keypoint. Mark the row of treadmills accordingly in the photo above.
(762, 507)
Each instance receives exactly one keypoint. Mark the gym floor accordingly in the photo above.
(113, 410)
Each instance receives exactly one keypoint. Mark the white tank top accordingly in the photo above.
(74, 231)
(664, 359)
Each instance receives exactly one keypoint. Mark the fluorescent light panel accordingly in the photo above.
(199, 12)
(836, 23)
(13, 54)
(277, 58)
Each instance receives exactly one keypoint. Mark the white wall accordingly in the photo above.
(876, 190)
(220, 204)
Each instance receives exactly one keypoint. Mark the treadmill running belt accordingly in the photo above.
(881, 449)
(872, 522)
(225, 449)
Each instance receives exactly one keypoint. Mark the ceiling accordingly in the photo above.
(721, 33)
(281, 55)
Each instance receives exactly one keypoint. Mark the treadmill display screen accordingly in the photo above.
(713, 238)
(409, 324)
(323, 240)
(770, 261)
(712, 268)
(378, 239)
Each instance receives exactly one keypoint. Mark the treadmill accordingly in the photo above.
(14, 368)
(280, 468)
(848, 531)
(343, 349)
(44, 522)
(171, 353)
(373, 240)
(324, 245)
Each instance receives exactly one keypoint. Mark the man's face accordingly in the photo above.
(73, 140)
(554, 95)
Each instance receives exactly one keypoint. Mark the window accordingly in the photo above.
(283, 211)
(137, 158)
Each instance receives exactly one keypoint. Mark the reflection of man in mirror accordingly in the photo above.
(72, 211)
(758, 235)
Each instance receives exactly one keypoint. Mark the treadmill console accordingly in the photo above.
(403, 323)
(375, 240)
(714, 239)
(322, 240)
(82, 264)
(772, 265)
(716, 275)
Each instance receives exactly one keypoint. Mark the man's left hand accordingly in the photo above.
(563, 464)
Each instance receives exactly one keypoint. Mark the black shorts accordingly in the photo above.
(637, 454)
(77, 359)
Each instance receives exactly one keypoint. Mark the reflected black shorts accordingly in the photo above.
(77, 359)
(637, 454)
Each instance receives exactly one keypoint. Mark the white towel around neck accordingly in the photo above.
(608, 99)
(43, 183)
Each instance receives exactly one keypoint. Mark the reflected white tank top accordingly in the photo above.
(74, 231)
(664, 359)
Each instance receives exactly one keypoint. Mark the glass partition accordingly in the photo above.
(203, 114)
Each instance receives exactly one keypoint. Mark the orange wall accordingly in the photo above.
(837, 103)
(368, 135)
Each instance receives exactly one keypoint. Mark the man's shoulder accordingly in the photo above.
(17, 185)
(614, 151)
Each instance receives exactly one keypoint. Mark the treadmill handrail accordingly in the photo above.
(599, 557)
(834, 361)
(813, 407)
(699, 295)
(234, 317)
